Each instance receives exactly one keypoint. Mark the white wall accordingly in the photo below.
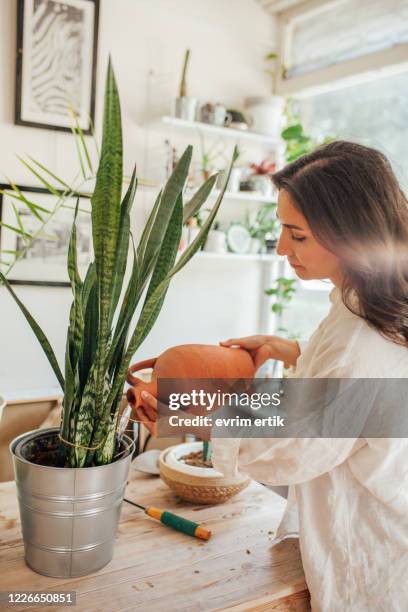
(147, 39)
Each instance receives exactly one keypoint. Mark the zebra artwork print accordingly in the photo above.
(56, 57)
(57, 61)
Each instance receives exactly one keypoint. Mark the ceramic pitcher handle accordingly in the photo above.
(141, 365)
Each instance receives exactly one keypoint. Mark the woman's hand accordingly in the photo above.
(262, 348)
(147, 414)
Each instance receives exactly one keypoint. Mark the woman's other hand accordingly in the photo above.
(262, 348)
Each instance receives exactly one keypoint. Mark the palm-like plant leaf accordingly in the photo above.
(41, 337)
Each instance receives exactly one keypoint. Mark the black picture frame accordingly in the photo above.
(21, 116)
(39, 191)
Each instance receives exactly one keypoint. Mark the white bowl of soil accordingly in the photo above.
(184, 470)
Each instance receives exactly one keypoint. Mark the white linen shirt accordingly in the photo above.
(351, 494)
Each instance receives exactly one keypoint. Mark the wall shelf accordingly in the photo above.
(245, 196)
(264, 257)
(223, 132)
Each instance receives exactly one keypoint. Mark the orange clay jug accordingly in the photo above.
(190, 361)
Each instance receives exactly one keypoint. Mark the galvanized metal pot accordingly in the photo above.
(69, 516)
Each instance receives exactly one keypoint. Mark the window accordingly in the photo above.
(375, 114)
(346, 64)
(335, 42)
(344, 30)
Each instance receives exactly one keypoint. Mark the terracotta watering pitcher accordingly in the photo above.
(190, 361)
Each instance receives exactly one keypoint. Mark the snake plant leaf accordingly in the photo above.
(90, 309)
(129, 304)
(202, 236)
(76, 326)
(41, 337)
(148, 228)
(106, 217)
(69, 394)
(122, 245)
(171, 191)
(136, 286)
(104, 454)
(198, 199)
(149, 312)
(85, 420)
(102, 423)
(165, 261)
(89, 281)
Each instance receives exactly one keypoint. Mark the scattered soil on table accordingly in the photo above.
(196, 459)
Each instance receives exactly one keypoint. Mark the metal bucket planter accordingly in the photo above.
(69, 516)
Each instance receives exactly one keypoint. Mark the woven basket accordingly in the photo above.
(201, 489)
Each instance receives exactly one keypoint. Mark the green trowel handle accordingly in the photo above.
(179, 523)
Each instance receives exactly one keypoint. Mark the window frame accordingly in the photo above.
(370, 66)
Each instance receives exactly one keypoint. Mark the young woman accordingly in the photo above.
(345, 218)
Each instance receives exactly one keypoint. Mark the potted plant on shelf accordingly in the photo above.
(263, 226)
(71, 480)
(185, 106)
(261, 177)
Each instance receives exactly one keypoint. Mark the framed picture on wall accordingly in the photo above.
(43, 260)
(56, 63)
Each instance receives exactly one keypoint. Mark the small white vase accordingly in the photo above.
(186, 108)
(266, 114)
(234, 180)
(263, 184)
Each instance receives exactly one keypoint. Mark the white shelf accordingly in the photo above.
(223, 132)
(235, 256)
(244, 196)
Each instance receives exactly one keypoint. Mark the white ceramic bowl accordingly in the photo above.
(195, 484)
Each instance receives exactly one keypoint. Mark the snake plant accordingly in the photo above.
(102, 336)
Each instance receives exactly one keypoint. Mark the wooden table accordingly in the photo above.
(155, 568)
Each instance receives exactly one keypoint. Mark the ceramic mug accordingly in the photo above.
(215, 114)
(221, 116)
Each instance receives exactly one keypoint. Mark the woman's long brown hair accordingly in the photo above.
(355, 208)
